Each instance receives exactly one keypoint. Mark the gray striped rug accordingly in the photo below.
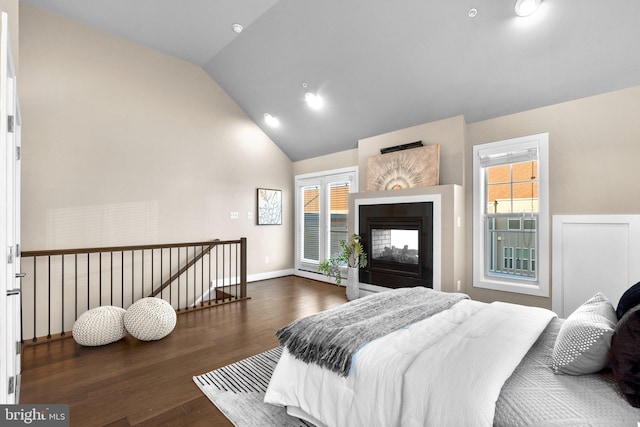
(238, 391)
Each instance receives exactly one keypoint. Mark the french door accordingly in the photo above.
(10, 340)
(322, 209)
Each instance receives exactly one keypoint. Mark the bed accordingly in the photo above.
(463, 363)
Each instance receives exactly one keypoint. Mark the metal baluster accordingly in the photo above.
(122, 279)
(152, 268)
(62, 283)
(161, 269)
(111, 275)
(142, 273)
(195, 279)
(75, 283)
(179, 279)
(100, 278)
(133, 281)
(49, 295)
(237, 246)
(202, 276)
(224, 264)
(35, 291)
(88, 281)
(186, 277)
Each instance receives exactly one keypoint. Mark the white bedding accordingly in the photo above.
(445, 370)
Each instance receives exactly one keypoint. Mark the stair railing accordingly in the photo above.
(59, 285)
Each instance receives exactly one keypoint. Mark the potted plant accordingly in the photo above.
(353, 256)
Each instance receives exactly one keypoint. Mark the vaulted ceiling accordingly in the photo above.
(381, 65)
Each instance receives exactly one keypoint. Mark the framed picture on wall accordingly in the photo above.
(269, 206)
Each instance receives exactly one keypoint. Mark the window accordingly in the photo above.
(511, 220)
(322, 208)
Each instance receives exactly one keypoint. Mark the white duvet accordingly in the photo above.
(446, 370)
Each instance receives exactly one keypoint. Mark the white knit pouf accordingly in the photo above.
(150, 319)
(99, 326)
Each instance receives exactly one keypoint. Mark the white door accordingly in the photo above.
(10, 340)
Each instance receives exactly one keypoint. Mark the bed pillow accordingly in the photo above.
(628, 300)
(625, 355)
(584, 339)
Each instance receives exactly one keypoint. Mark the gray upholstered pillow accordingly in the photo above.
(582, 345)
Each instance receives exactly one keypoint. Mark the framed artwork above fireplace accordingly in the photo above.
(417, 167)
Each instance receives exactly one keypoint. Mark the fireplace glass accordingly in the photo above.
(395, 245)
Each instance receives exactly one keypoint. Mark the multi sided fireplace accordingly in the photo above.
(398, 240)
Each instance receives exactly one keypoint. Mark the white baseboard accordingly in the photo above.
(250, 278)
(365, 288)
(316, 276)
(369, 289)
(269, 275)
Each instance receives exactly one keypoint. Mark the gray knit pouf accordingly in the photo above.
(150, 319)
(99, 326)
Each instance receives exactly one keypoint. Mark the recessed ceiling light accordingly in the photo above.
(473, 12)
(526, 7)
(314, 101)
(237, 28)
(271, 121)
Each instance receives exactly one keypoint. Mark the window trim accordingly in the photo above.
(305, 268)
(540, 286)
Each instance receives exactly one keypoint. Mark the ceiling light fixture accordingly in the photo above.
(473, 12)
(526, 7)
(314, 101)
(271, 121)
(237, 28)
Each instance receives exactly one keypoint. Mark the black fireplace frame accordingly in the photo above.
(401, 216)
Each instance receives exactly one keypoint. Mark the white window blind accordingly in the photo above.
(498, 159)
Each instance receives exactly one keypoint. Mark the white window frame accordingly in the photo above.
(305, 267)
(540, 286)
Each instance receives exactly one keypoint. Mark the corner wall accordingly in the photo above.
(125, 145)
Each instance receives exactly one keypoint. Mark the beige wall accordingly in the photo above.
(125, 145)
(337, 160)
(594, 147)
(449, 133)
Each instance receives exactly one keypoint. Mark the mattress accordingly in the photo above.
(534, 396)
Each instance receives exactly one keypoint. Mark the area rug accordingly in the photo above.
(238, 391)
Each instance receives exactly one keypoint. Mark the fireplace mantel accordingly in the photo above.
(448, 229)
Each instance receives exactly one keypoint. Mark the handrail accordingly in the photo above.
(104, 249)
(185, 268)
(61, 284)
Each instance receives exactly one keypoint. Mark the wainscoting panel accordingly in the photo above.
(593, 253)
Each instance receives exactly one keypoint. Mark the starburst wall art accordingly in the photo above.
(417, 167)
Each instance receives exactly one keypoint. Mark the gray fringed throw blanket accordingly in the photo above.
(332, 337)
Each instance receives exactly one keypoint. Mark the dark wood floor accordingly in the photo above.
(135, 383)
